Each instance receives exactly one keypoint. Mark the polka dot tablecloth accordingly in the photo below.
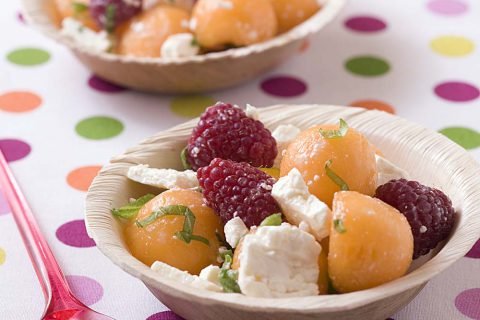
(59, 124)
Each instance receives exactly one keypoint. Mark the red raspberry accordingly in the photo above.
(237, 189)
(429, 211)
(226, 132)
(108, 14)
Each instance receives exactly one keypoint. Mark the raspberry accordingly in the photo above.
(429, 211)
(108, 14)
(237, 189)
(226, 132)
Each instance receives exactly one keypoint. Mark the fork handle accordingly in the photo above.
(48, 272)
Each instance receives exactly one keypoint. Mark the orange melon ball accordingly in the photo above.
(323, 275)
(65, 9)
(144, 34)
(292, 13)
(221, 23)
(371, 243)
(352, 156)
(157, 241)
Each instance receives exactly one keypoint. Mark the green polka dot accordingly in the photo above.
(191, 106)
(465, 137)
(98, 128)
(367, 66)
(2, 256)
(28, 56)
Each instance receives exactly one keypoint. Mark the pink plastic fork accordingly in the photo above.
(60, 303)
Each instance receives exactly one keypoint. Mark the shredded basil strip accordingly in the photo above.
(272, 220)
(227, 277)
(186, 234)
(183, 157)
(339, 226)
(334, 134)
(110, 13)
(334, 177)
(131, 210)
(79, 7)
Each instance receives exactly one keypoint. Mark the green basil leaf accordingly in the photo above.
(131, 210)
(339, 226)
(110, 13)
(335, 134)
(183, 157)
(334, 177)
(79, 7)
(272, 220)
(228, 281)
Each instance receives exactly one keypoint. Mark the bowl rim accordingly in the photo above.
(457, 246)
(36, 16)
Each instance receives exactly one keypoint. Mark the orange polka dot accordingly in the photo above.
(19, 101)
(374, 105)
(81, 178)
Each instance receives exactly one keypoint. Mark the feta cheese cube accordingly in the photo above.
(184, 277)
(163, 178)
(300, 207)
(210, 274)
(284, 135)
(279, 261)
(180, 45)
(387, 171)
(87, 38)
(252, 112)
(234, 230)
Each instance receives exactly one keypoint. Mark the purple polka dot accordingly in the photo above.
(4, 207)
(74, 234)
(20, 17)
(365, 24)
(447, 7)
(284, 86)
(86, 289)
(457, 91)
(475, 251)
(468, 303)
(102, 85)
(164, 315)
(14, 149)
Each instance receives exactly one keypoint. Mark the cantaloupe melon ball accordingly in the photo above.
(66, 9)
(221, 23)
(292, 13)
(371, 243)
(352, 159)
(144, 34)
(157, 241)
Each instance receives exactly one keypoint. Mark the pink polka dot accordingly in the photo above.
(86, 289)
(14, 149)
(475, 251)
(102, 85)
(447, 7)
(365, 24)
(4, 207)
(284, 86)
(20, 17)
(457, 91)
(74, 234)
(164, 315)
(468, 303)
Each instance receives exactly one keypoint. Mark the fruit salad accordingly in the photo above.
(288, 213)
(177, 28)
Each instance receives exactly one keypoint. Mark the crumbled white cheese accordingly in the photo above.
(279, 261)
(163, 178)
(298, 205)
(252, 112)
(284, 135)
(180, 45)
(210, 274)
(87, 38)
(148, 4)
(184, 277)
(387, 171)
(234, 230)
